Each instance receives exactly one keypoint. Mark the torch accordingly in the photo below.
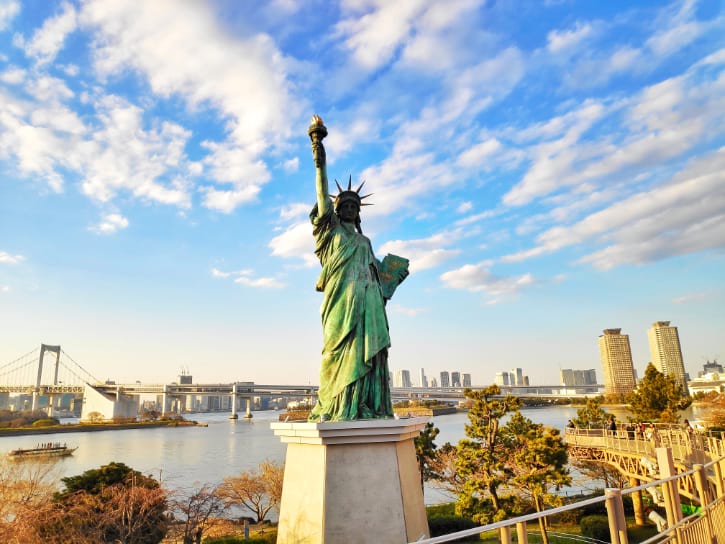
(317, 131)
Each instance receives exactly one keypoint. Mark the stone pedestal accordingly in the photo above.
(352, 482)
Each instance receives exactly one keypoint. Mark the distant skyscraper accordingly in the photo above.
(710, 367)
(445, 379)
(455, 379)
(518, 376)
(433, 383)
(569, 377)
(402, 378)
(664, 347)
(466, 380)
(503, 378)
(617, 366)
(423, 379)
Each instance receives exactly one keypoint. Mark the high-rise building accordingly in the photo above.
(664, 347)
(423, 379)
(466, 380)
(518, 376)
(402, 378)
(502, 378)
(433, 383)
(710, 368)
(445, 379)
(617, 367)
(455, 379)
(569, 377)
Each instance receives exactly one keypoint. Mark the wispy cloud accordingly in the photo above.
(110, 223)
(7, 258)
(246, 277)
(8, 10)
(694, 297)
(478, 278)
(403, 310)
(424, 253)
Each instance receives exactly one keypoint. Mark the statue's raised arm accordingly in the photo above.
(317, 132)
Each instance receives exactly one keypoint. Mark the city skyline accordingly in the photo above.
(550, 169)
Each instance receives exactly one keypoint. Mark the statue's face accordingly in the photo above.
(347, 211)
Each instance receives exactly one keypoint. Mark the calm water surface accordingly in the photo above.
(185, 456)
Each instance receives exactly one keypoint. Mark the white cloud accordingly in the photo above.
(49, 39)
(7, 258)
(13, 76)
(4, 289)
(685, 215)
(245, 277)
(559, 40)
(295, 242)
(465, 207)
(423, 253)
(293, 211)
(374, 36)
(8, 10)
(266, 283)
(478, 278)
(477, 155)
(292, 165)
(692, 297)
(110, 223)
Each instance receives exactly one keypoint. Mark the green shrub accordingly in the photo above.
(595, 527)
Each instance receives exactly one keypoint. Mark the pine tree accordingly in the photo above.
(658, 397)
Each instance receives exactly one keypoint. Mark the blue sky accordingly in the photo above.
(551, 169)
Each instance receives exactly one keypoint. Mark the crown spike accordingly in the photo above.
(367, 204)
(338, 186)
(371, 194)
(361, 186)
(349, 183)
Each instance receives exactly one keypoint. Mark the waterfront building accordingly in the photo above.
(617, 366)
(569, 377)
(466, 380)
(402, 378)
(710, 368)
(664, 347)
(423, 379)
(518, 375)
(433, 383)
(502, 379)
(455, 379)
(445, 379)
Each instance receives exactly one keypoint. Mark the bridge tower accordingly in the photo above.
(36, 391)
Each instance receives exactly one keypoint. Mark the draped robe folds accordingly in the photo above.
(354, 381)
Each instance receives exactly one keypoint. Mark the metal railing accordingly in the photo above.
(705, 526)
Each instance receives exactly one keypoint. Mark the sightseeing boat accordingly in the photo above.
(47, 449)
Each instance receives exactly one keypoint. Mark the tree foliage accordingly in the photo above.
(195, 512)
(481, 459)
(658, 397)
(425, 451)
(537, 460)
(591, 415)
(259, 490)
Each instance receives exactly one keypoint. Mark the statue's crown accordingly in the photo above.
(350, 194)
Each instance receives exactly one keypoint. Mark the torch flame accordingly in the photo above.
(317, 120)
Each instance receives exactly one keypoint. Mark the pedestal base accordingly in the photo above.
(352, 482)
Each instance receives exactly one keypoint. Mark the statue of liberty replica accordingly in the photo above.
(351, 473)
(354, 376)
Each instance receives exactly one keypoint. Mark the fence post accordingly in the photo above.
(522, 537)
(615, 513)
(704, 495)
(637, 503)
(669, 489)
(504, 535)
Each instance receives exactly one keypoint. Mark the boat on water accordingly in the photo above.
(44, 450)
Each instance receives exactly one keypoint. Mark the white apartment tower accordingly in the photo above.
(617, 367)
(423, 379)
(402, 378)
(664, 347)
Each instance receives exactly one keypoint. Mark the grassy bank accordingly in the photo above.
(92, 427)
